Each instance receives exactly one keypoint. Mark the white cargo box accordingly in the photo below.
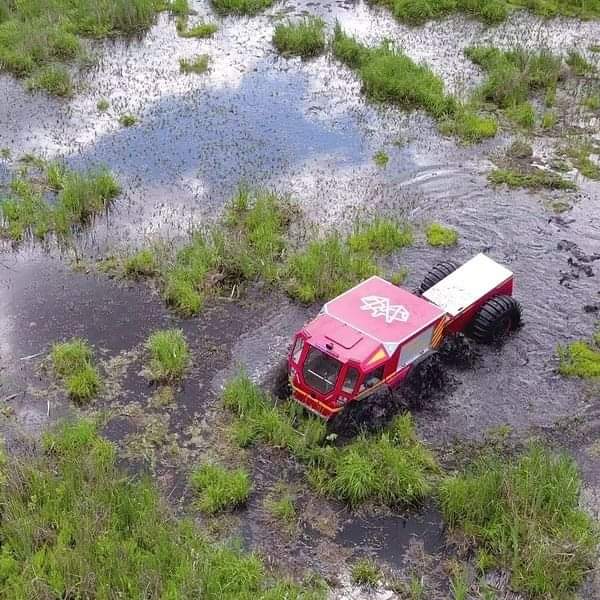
(467, 284)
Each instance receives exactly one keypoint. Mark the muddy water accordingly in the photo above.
(302, 128)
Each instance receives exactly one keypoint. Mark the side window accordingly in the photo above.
(372, 378)
(298, 345)
(350, 381)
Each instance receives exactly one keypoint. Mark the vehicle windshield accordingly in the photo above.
(321, 370)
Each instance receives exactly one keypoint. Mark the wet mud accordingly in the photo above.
(302, 128)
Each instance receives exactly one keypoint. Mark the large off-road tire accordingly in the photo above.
(424, 383)
(496, 319)
(277, 380)
(369, 414)
(436, 274)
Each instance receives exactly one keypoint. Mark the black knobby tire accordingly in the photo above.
(369, 414)
(277, 380)
(496, 318)
(436, 274)
(421, 387)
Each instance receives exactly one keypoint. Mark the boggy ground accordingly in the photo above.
(302, 128)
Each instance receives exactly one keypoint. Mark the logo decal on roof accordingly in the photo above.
(379, 306)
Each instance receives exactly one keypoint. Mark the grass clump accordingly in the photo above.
(53, 79)
(533, 179)
(198, 64)
(326, 268)
(79, 197)
(142, 264)
(592, 102)
(525, 514)
(128, 120)
(380, 235)
(578, 151)
(366, 572)
(38, 39)
(580, 358)
(549, 119)
(169, 355)
(248, 244)
(470, 126)
(304, 38)
(199, 30)
(220, 488)
(439, 235)
(103, 105)
(381, 158)
(389, 468)
(75, 525)
(283, 509)
(240, 7)
(579, 64)
(389, 75)
(522, 114)
(72, 362)
(513, 75)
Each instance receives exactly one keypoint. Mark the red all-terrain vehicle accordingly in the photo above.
(372, 336)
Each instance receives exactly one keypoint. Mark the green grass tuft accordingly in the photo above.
(53, 79)
(326, 269)
(579, 64)
(380, 235)
(579, 152)
(142, 264)
(532, 178)
(219, 488)
(179, 8)
(439, 235)
(103, 105)
(70, 357)
(522, 114)
(580, 359)
(381, 158)
(83, 385)
(525, 513)
(549, 119)
(199, 30)
(512, 75)
(72, 362)
(304, 38)
(240, 7)
(128, 120)
(592, 101)
(281, 504)
(470, 126)
(198, 64)
(365, 572)
(74, 525)
(169, 355)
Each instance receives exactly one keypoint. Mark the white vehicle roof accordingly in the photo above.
(467, 284)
